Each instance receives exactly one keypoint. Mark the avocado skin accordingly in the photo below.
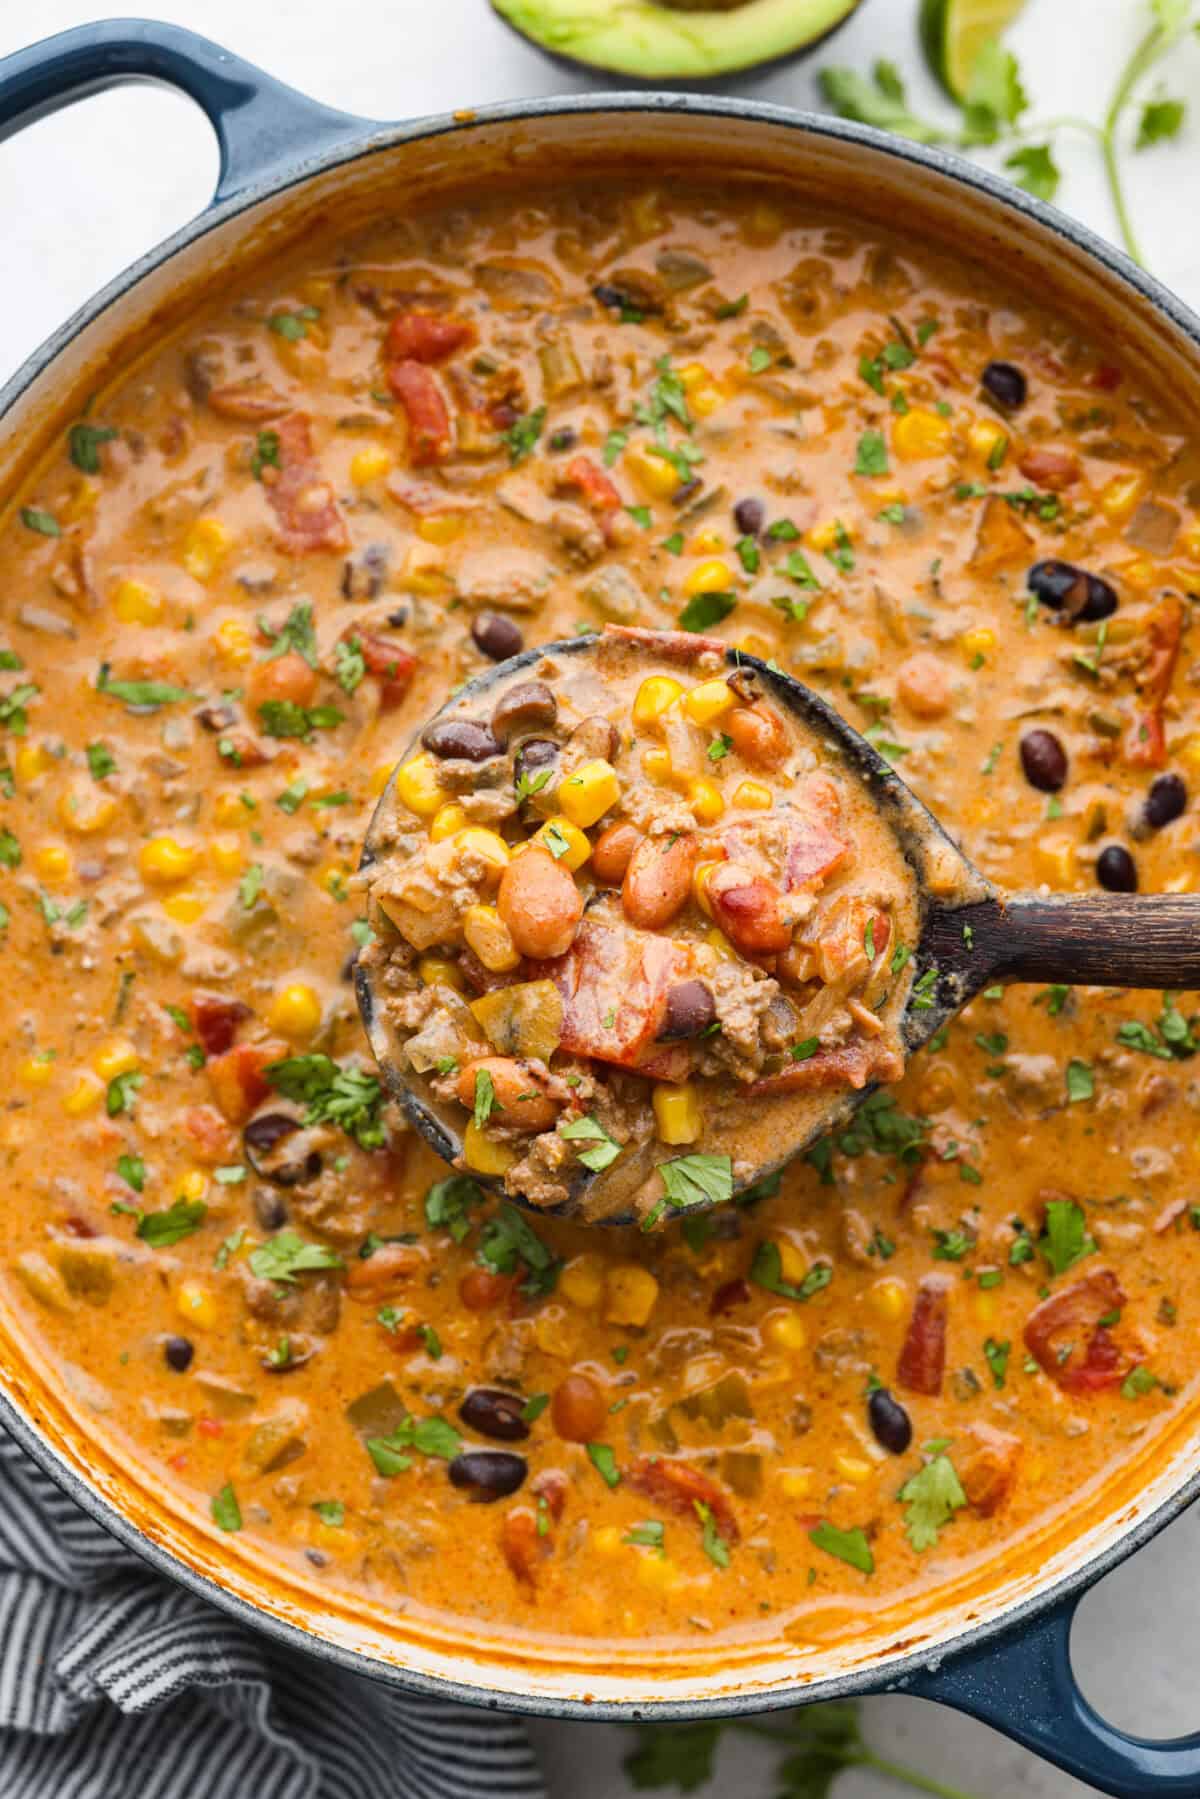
(651, 43)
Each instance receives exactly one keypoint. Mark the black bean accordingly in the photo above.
(1165, 801)
(690, 1010)
(890, 1424)
(493, 1412)
(565, 438)
(1116, 869)
(1044, 761)
(216, 718)
(459, 740)
(488, 1474)
(610, 296)
(268, 1129)
(1083, 597)
(750, 516)
(535, 755)
(1006, 385)
(523, 708)
(265, 1135)
(270, 1210)
(178, 1353)
(497, 636)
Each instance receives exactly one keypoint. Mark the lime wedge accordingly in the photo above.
(953, 32)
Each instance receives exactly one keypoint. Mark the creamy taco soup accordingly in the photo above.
(234, 591)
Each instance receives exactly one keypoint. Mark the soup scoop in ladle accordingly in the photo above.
(969, 933)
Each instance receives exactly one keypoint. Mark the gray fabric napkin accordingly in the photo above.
(117, 1684)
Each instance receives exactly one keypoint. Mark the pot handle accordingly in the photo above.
(260, 124)
(1024, 1686)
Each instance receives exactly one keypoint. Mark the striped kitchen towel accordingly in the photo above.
(117, 1684)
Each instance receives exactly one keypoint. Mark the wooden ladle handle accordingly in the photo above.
(1097, 939)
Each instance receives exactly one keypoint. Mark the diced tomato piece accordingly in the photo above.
(550, 1488)
(215, 1142)
(389, 1268)
(680, 1487)
(599, 493)
(482, 1291)
(304, 502)
(237, 1078)
(216, 1020)
(426, 336)
(1071, 1319)
(614, 982)
(812, 856)
(988, 1467)
(428, 420)
(851, 1066)
(521, 1546)
(1145, 744)
(1106, 376)
(747, 907)
(728, 1295)
(391, 664)
(250, 402)
(922, 1364)
(210, 1427)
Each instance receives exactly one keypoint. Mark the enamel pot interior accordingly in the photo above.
(847, 174)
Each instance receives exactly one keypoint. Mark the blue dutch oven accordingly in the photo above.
(286, 162)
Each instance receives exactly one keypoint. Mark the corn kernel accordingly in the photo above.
(82, 501)
(332, 878)
(229, 810)
(488, 936)
(295, 1011)
(86, 808)
(713, 576)
(439, 971)
(1189, 752)
(192, 1184)
(822, 537)
(796, 1483)
(53, 862)
(793, 1263)
(657, 1571)
(853, 1468)
(654, 474)
(185, 905)
(1121, 496)
(706, 801)
(136, 604)
(676, 1112)
(762, 224)
(655, 694)
(369, 464)
(606, 1540)
(709, 701)
(786, 1330)
(36, 1071)
(706, 398)
(30, 761)
(753, 643)
(423, 573)
(381, 774)
(890, 1299)
(446, 821)
(700, 879)
(486, 846)
(984, 435)
(1054, 859)
(441, 527)
(921, 433)
(707, 543)
(656, 766)
(417, 785)
(484, 1154)
(631, 1294)
(589, 793)
(753, 796)
(205, 546)
(115, 1057)
(980, 641)
(693, 375)
(195, 1303)
(558, 831)
(84, 1096)
(1189, 542)
(1138, 572)
(234, 642)
(984, 1307)
(719, 943)
(164, 861)
(581, 1282)
(226, 856)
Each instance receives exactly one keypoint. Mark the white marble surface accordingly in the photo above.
(83, 193)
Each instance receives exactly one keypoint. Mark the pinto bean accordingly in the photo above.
(527, 707)
(759, 735)
(577, 1410)
(520, 1104)
(540, 903)
(480, 1290)
(611, 852)
(923, 683)
(282, 678)
(749, 910)
(658, 880)
(388, 1267)
(1051, 466)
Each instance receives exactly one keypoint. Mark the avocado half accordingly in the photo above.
(674, 40)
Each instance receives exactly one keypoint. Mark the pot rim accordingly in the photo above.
(896, 1671)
